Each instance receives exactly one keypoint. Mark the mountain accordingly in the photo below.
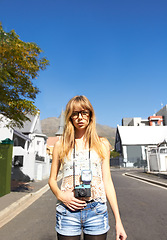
(108, 132)
(51, 125)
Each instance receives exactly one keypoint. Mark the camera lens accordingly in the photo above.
(82, 192)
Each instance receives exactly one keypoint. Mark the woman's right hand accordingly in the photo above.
(70, 201)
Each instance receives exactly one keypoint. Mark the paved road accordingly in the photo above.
(142, 206)
(35, 223)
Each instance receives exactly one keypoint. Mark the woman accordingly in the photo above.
(84, 160)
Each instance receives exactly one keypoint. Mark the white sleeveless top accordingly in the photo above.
(82, 163)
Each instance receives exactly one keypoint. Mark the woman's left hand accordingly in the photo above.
(120, 232)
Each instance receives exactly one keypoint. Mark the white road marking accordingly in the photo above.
(17, 207)
(145, 180)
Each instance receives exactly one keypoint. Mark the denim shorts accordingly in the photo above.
(93, 220)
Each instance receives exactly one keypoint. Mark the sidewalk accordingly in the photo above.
(19, 190)
(22, 195)
(158, 178)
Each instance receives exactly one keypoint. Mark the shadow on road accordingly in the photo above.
(19, 181)
(19, 186)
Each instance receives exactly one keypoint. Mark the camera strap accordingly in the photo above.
(74, 162)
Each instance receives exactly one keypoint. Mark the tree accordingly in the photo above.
(19, 67)
(114, 154)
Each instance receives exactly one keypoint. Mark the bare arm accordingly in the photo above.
(111, 194)
(54, 171)
(66, 197)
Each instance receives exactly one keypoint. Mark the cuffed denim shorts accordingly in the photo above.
(93, 219)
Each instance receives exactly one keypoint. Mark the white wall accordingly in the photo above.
(32, 168)
(42, 169)
(125, 157)
(37, 170)
(4, 131)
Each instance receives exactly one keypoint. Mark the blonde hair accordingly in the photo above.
(68, 138)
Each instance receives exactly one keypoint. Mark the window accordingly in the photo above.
(18, 161)
(163, 150)
(156, 123)
(153, 151)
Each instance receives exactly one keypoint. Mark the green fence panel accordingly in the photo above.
(6, 148)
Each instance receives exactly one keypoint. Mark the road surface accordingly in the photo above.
(143, 209)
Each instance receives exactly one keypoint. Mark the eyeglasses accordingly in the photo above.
(84, 114)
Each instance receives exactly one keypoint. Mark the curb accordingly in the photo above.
(17, 207)
(146, 180)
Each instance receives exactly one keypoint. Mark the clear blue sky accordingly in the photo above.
(112, 51)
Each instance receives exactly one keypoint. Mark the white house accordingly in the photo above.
(34, 161)
(157, 157)
(132, 141)
(30, 160)
(4, 131)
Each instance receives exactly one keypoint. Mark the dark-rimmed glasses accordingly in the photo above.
(84, 114)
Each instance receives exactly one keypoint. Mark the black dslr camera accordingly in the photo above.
(84, 189)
